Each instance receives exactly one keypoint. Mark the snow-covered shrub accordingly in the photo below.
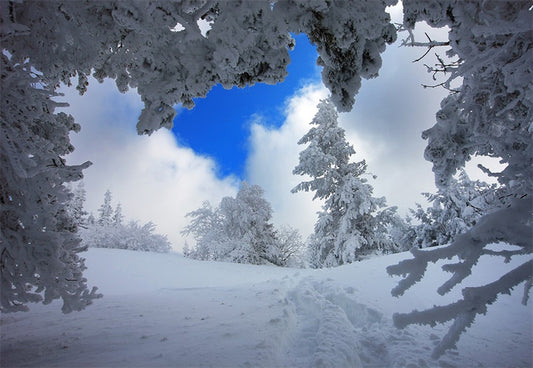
(352, 222)
(131, 236)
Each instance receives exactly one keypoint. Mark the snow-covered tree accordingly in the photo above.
(455, 210)
(105, 212)
(117, 215)
(238, 230)
(247, 218)
(289, 248)
(158, 48)
(186, 250)
(350, 224)
(490, 113)
(91, 219)
(206, 229)
(75, 205)
(38, 243)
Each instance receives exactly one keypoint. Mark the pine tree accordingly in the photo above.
(39, 246)
(455, 210)
(105, 212)
(76, 203)
(186, 250)
(117, 216)
(349, 224)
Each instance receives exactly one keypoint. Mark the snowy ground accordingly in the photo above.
(161, 310)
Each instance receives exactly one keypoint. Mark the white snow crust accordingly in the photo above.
(163, 310)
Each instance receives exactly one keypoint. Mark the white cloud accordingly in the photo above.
(273, 156)
(152, 177)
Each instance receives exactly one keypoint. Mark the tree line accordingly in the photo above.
(108, 229)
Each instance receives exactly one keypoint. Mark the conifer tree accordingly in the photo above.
(75, 205)
(350, 224)
(105, 212)
(117, 215)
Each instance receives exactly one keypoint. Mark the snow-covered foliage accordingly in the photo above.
(239, 230)
(489, 114)
(158, 48)
(109, 231)
(248, 43)
(38, 243)
(289, 247)
(454, 211)
(130, 236)
(352, 223)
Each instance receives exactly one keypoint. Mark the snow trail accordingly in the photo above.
(328, 327)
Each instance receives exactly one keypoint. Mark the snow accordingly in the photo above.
(163, 310)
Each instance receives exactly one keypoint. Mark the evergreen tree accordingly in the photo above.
(75, 205)
(455, 210)
(105, 212)
(117, 216)
(91, 220)
(39, 246)
(488, 113)
(110, 232)
(186, 250)
(350, 224)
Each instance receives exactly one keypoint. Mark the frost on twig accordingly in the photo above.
(509, 225)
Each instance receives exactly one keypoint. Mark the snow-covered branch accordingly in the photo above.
(511, 225)
(463, 312)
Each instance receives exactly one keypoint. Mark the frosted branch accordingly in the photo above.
(510, 225)
(464, 311)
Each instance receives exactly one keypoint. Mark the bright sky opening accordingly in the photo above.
(219, 125)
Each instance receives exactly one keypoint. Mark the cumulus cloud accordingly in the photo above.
(153, 177)
(273, 154)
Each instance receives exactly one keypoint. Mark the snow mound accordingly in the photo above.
(163, 310)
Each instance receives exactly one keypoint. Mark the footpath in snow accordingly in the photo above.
(161, 310)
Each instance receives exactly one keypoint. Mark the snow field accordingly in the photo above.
(161, 310)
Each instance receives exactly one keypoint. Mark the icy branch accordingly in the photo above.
(464, 311)
(410, 42)
(510, 225)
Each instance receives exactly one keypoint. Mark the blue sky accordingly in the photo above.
(219, 125)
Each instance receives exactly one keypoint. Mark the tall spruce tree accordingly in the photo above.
(105, 212)
(350, 224)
